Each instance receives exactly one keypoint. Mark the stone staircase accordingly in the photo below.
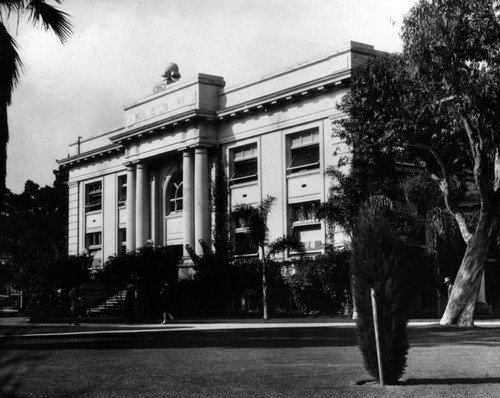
(110, 307)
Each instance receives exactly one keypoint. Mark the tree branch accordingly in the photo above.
(443, 184)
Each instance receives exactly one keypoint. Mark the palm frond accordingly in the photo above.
(12, 5)
(51, 18)
(286, 243)
(265, 206)
(243, 211)
(10, 65)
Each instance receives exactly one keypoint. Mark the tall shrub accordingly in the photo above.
(380, 252)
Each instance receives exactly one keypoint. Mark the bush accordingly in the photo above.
(148, 269)
(380, 254)
(323, 284)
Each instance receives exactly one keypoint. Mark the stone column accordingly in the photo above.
(153, 208)
(188, 199)
(201, 198)
(131, 208)
(141, 206)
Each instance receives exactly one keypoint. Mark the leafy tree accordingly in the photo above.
(39, 13)
(255, 219)
(33, 234)
(436, 106)
(34, 223)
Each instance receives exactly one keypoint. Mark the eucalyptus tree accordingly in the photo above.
(436, 106)
(39, 13)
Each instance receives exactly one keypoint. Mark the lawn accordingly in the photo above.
(291, 362)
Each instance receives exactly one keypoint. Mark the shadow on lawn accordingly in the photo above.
(16, 368)
(438, 335)
(249, 338)
(452, 381)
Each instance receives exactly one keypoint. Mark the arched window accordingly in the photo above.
(176, 197)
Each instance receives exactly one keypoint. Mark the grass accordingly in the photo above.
(313, 361)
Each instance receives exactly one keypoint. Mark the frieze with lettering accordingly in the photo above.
(161, 106)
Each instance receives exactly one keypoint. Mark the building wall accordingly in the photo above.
(175, 133)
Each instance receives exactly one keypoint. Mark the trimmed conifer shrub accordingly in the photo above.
(380, 253)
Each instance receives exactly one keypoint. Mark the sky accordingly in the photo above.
(119, 49)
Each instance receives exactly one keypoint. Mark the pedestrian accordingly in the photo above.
(166, 299)
(447, 282)
(129, 305)
(76, 298)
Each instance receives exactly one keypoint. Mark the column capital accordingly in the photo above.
(187, 153)
(200, 150)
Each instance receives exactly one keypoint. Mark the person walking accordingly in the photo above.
(129, 305)
(76, 298)
(166, 299)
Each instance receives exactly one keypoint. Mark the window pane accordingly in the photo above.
(244, 245)
(122, 190)
(176, 202)
(93, 195)
(307, 157)
(310, 237)
(245, 169)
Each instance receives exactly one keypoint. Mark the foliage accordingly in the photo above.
(248, 283)
(436, 107)
(33, 231)
(349, 191)
(322, 284)
(45, 281)
(255, 220)
(220, 195)
(212, 286)
(381, 255)
(213, 281)
(148, 269)
(34, 222)
(40, 14)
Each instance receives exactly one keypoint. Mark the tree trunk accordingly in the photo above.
(460, 308)
(4, 139)
(264, 286)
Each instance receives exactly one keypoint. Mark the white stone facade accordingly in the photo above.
(151, 179)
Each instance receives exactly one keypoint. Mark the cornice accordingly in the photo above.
(312, 88)
(91, 155)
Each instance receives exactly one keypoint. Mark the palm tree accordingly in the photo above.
(255, 221)
(39, 13)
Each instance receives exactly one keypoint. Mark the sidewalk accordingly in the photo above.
(21, 327)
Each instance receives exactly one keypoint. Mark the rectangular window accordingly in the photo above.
(122, 190)
(304, 151)
(244, 164)
(93, 196)
(93, 240)
(244, 246)
(122, 241)
(305, 212)
(310, 236)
